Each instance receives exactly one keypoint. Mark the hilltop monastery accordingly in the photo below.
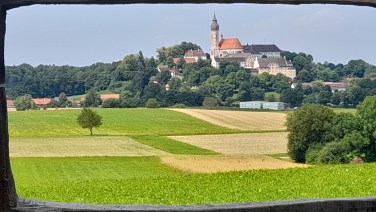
(263, 58)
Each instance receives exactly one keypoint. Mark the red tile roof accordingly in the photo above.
(187, 60)
(195, 53)
(109, 96)
(163, 68)
(190, 60)
(230, 43)
(10, 103)
(42, 101)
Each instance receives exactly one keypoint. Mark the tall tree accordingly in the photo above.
(89, 119)
(92, 99)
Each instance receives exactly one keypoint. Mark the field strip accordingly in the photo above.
(240, 120)
(80, 146)
(239, 144)
(226, 163)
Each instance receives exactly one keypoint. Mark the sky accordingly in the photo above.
(81, 35)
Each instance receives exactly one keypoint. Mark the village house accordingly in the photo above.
(192, 56)
(10, 103)
(173, 71)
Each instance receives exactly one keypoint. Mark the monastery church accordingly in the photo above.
(263, 58)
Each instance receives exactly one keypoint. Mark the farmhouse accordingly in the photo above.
(10, 103)
(173, 71)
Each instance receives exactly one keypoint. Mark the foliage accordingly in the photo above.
(111, 103)
(89, 119)
(310, 124)
(152, 103)
(210, 102)
(333, 153)
(166, 54)
(178, 106)
(171, 146)
(143, 180)
(24, 102)
(313, 153)
(92, 99)
(367, 114)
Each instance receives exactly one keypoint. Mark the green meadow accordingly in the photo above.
(110, 176)
(138, 121)
(143, 180)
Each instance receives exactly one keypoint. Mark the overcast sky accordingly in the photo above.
(82, 35)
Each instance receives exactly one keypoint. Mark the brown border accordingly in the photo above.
(8, 195)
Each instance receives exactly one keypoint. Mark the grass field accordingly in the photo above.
(143, 180)
(172, 146)
(133, 160)
(80, 146)
(138, 121)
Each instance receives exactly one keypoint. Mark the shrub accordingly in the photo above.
(179, 105)
(334, 153)
(210, 102)
(313, 153)
(111, 103)
(310, 124)
(152, 103)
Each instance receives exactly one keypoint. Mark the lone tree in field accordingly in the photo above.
(89, 119)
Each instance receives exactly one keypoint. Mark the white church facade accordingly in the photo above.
(264, 58)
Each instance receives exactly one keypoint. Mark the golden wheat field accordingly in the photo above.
(241, 120)
(226, 163)
(239, 144)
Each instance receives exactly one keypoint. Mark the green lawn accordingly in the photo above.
(345, 110)
(172, 146)
(142, 180)
(137, 121)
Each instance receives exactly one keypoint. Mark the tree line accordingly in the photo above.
(137, 79)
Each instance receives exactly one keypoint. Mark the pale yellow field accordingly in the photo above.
(225, 163)
(241, 120)
(239, 144)
(80, 146)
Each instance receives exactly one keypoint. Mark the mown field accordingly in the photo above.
(158, 156)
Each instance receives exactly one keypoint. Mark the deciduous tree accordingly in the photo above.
(89, 119)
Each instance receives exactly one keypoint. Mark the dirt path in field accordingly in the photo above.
(239, 144)
(241, 120)
(226, 163)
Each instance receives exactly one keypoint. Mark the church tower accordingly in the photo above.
(214, 41)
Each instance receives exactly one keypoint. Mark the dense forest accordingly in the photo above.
(137, 79)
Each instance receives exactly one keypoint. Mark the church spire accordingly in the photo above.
(214, 26)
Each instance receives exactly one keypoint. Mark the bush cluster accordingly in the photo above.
(318, 135)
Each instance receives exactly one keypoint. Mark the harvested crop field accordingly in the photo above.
(80, 147)
(239, 144)
(240, 120)
(226, 163)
